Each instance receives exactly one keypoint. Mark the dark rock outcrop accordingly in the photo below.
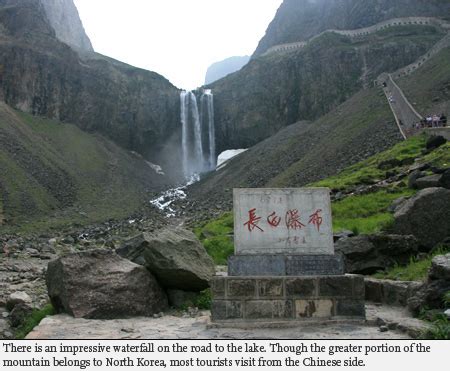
(100, 284)
(175, 256)
(367, 254)
(42, 75)
(299, 20)
(429, 181)
(426, 216)
(435, 141)
(431, 295)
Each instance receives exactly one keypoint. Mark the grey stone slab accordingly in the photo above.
(299, 265)
(336, 286)
(282, 221)
(270, 288)
(350, 308)
(256, 265)
(301, 287)
(241, 288)
(285, 265)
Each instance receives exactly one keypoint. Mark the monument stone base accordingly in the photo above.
(291, 298)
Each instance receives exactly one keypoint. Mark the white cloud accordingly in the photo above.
(178, 39)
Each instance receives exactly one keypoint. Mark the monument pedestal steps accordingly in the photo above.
(266, 287)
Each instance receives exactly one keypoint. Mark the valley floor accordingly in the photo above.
(172, 326)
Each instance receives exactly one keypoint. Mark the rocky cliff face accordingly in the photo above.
(299, 20)
(223, 68)
(277, 90)
(41, 75)
(64, 18)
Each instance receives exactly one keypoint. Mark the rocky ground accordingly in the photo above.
(383, 322)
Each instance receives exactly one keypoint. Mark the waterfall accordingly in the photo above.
(198, 133)
(209, 98)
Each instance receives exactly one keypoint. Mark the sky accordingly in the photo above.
(178, 39)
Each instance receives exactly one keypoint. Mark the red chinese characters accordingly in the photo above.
(253, 220)
(316, 219)
(293, 219)
(274, 220)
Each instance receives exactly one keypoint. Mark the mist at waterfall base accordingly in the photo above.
(198, 145)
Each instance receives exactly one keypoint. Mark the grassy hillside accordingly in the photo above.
(305, 152)
(362, 213)
(53, 173)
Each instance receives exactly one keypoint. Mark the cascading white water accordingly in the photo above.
(209, 98)
(198, 165)
(184, 124)
(193, 139)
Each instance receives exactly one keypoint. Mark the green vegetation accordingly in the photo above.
(362, 213)
(416, 270)
(55, 175)
(30, 322)
(365, 214)
(217, 238)
(368, 171)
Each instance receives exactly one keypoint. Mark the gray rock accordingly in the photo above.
(440, 268)
(101, 284)
(430, 296)
(367, 254)
(389, 291)
(426, 216)
(412, 179)
(396, 204)
(428, 181)
(435, 141)
(18, 297)
(445, 179)
(19, 314)
(175, 256)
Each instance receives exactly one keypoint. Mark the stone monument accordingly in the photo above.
(284, 267)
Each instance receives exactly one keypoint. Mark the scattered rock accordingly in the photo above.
(438, 284)
(100, 284)
(412, 179)
(367, 254)
(19, 314)
(389, 291)
(175, 256)
(429, 181)
(435, 141)
(426, 216)
(396, 204)
(18, 297)
(440, 268)
(342, 234)
(445, 179)
(384, 328)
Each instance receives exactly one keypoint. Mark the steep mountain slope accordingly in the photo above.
(65, 20)
(40, 75)
(223, 68)
(299, 20)
(279, 89)
(307, 152)
(49, 169)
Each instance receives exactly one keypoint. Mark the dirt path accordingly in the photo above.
(175, 327)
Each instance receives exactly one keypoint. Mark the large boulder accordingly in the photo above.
(429, 181)
(431, 294)
(426, 216)
(175, 256)
(367, 254)
(101, 284)
(445, 179)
